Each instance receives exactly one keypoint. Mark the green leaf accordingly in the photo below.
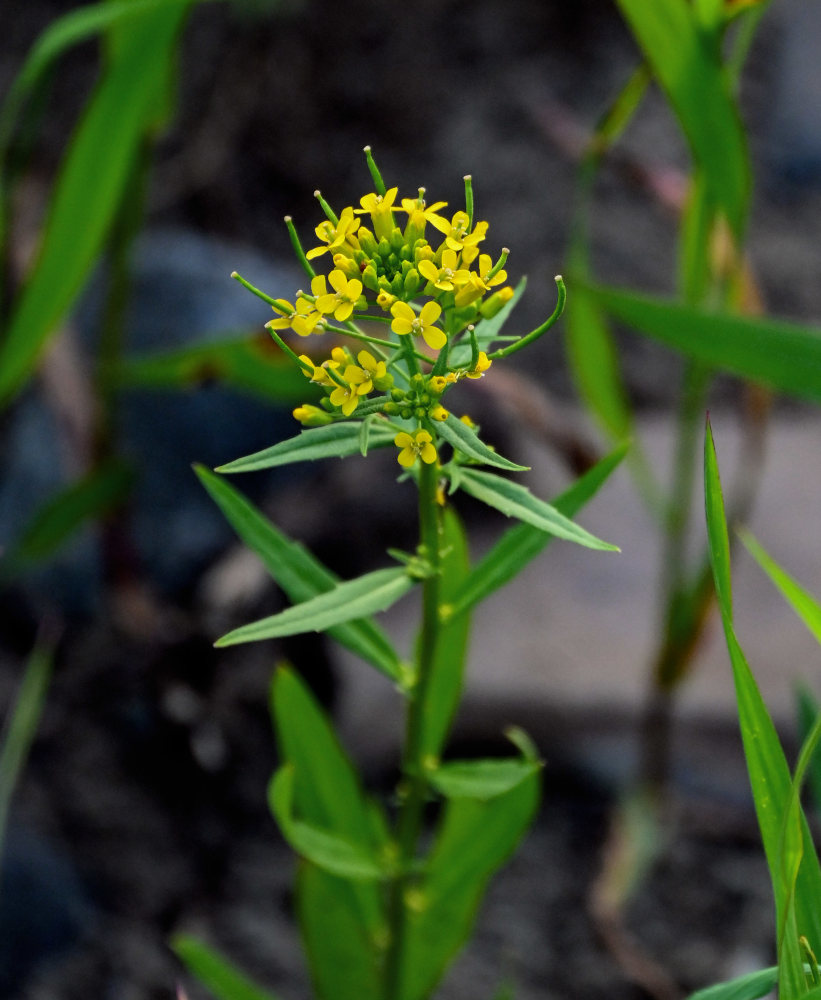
(20, 725)
(800, 600)
(770, 779)
(808, 709)
(517, 501)
(687, 63)
(466, 440)
(215, 972)
(299, 573)
(347, 602)
(331, 441)
(241, 363)
(101, 491)
(444, 690)
(332, 853)
(785, 356)
(487, 330)
(481, 779)
(751, 986)
(475, 839)
(519, 545)
(341, 921)
(89, 189)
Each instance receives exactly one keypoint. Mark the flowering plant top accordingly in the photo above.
(423, 273)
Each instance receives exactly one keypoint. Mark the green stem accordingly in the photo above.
(413, 787)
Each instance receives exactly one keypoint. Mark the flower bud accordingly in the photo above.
(412, 282)
(312, 416)
(491, 306)
(438, 412)
(369, 278)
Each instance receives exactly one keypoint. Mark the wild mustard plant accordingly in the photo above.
(383, 910)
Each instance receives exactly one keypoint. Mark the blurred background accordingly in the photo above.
(140, 810)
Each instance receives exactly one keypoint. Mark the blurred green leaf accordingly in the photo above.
(785, 356)
(300, 574)
(342, 922)
(808, 709)
(514, 500)
(487, 330)
(348, 601)
(519, 545)
(53, 525)
(328, 851)
(89, 189)
(20, 725)
(466, 440)
(475, 839)
(800, 600)
(444, 689)
(751, 986)
(686, 61)
(215, 972)
(241, 363)
(331, 441)
(770, 778)
(481, 779)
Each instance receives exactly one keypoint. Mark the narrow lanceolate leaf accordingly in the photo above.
(300, 574)
(244, 363)
(808, 710)
(800, 600)
(783, 355)
(686, 60)
(751, 986)
(481, 779)
(331, 441)
(329, 851)
(522, 543)
(487, 330)
(770, 778)
(89, 189)
(517, 501)
(215, 972)
(348, 601)
(342, 921)
(466, 440)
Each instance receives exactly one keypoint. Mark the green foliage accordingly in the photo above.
(465, 440)
(215, 972)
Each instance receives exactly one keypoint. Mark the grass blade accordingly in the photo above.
(215, 972)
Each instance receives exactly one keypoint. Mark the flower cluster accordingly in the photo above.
(419, 271)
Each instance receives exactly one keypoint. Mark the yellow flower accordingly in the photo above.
(377, 370)
(485, 266)
(358, 379)
(380, 207)
(320, 372)
(385, 300)
(457, 231)
(419, 212)
(346, 398)
(301, 318)
(439, 413)
(341, 302)
(406, 321)
(438, 383)
(418, 445)
(482, 365)
(335, 236)
(446, 276)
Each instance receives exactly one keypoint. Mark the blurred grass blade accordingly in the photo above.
(519, 545)
(337, 440)
(769, 773)
(298, 573)
(54, 524)
(785, 356)
(807, 710)
(215, 972)
(444, 690)
(348, 601)
(20, 726)
(751, 986)
(243, 363)
(800, 600)
(466, 440)
(514, 500)
(89, 190)
(475, 839)
(687, 63)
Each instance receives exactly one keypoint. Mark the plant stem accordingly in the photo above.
(413, 787)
